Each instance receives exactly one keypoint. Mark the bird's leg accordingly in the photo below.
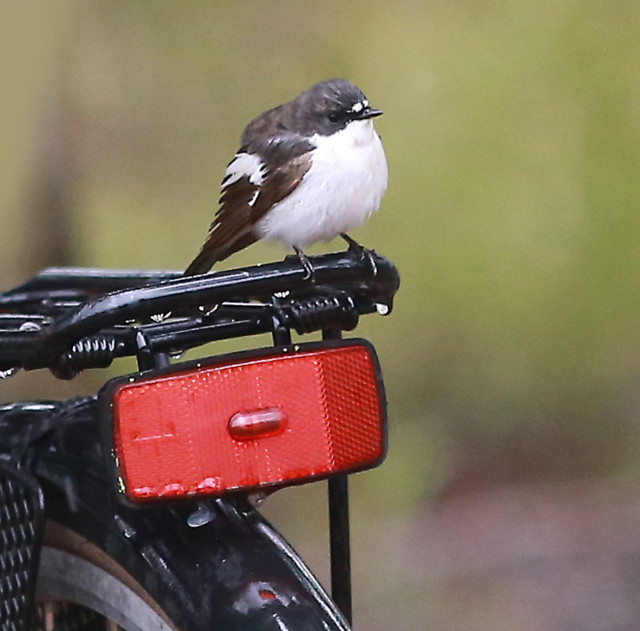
(354, 246)
(306, 263)
(352, 243)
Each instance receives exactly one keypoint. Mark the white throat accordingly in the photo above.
(342, 189)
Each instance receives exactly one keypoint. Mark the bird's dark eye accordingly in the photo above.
(334, 117)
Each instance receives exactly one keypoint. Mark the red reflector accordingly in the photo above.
(249, 421)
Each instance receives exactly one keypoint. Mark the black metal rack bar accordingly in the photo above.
(340, 544)
(339, 531)
(79, 308)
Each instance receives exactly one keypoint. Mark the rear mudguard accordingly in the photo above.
(214, 565)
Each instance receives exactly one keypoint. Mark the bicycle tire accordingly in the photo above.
(78, 582)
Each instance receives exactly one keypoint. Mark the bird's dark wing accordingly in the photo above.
(258, 177)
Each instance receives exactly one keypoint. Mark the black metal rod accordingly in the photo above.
(192, 291)
(147, 359)
(169, 293)
(340, 544)
(339, 535)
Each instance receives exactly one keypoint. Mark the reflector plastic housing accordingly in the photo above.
(247, 421)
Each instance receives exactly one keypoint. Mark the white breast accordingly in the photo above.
(343, 187)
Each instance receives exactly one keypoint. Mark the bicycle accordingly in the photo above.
(138, 507)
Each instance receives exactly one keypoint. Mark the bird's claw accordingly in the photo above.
(306, 264)
(364, 253)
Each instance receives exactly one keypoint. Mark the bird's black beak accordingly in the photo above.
(367, 112)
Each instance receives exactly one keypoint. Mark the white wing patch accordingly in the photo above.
(252, 201)
(245, 165)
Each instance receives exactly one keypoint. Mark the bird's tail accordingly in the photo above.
(217, 249)
(201, 264)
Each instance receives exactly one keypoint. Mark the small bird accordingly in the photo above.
(306, 171)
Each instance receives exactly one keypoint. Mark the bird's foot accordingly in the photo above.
(305, 262)
(365, 253)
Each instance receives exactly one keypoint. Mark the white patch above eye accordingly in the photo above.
(358, 107)
(245, 165)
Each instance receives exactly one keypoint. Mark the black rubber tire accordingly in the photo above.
(71, 586)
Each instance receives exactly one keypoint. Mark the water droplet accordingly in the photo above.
(5, 374)
(160, 317)
(382, 309)
(203, 515)
(257, 499)
(208, 310)
(29, 326)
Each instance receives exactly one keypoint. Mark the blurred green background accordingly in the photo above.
(512, 131)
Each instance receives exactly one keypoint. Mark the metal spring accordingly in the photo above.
(89, 352)
(324, 312)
